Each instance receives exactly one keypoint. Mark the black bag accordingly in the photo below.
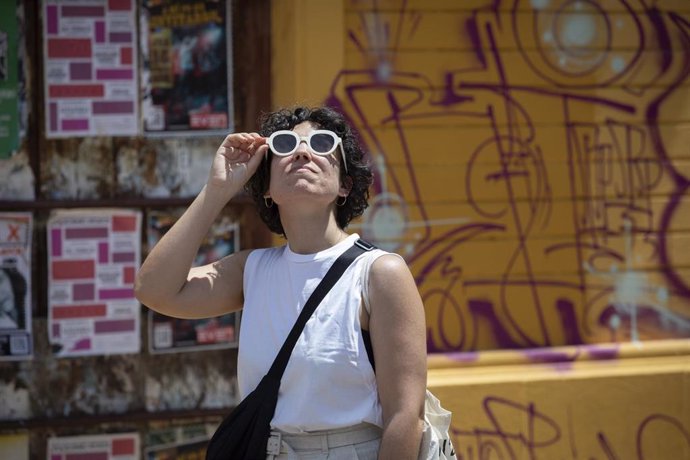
(243, 435)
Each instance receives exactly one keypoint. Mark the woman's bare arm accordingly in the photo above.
(166, 281)
(397, 328)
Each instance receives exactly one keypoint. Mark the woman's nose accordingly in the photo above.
(302, 150)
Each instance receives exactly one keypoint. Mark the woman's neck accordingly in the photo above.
(311, 233)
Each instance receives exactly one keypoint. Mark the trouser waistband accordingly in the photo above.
(322, 440)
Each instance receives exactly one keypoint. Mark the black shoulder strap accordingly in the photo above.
(332, 276)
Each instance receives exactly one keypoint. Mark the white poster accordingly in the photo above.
(90, 68)
(121, 446)
(15, 286)
(93, 256)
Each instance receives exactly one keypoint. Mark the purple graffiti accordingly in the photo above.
(504, 438)
(673, 434)
(567, 206)
(517, 431)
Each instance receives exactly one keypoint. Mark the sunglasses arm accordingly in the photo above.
(342, 153)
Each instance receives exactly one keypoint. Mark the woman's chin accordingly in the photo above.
(302, 195)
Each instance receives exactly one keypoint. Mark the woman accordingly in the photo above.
(306, 173)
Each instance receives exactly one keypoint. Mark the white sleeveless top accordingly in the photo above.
(329, 382)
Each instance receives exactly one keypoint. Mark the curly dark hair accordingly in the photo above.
(358, 170)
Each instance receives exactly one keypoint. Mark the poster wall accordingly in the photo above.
(92, 259)
(186, 75)
(121, 446)
(90, 68)
(15, 286)
(168, 334)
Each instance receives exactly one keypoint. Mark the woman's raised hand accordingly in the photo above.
(236, 160)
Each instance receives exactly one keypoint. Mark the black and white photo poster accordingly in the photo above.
(15, 286)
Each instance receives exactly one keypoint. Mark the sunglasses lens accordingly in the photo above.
(322, 143)
(284, 143)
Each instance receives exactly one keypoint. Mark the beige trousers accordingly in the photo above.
(360, 442)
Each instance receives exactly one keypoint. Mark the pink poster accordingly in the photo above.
(122, 446)
(92, 259)
(90, 68)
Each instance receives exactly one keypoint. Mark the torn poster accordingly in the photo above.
(9, 79)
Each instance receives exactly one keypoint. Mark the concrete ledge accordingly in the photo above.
(633, 404)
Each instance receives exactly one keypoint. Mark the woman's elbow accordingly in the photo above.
(143, 292)
(140, 293)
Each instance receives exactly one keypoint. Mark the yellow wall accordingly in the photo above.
(533, 166)
(622, 409)
(308, 50)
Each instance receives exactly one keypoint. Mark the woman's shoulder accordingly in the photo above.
(387, 263)
(262, 256)
(381, 257)
(382, 265)
(379, 265)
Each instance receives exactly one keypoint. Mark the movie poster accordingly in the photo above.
(93, 255)
(90, 68)
(187, 74)
(9, 79)
(121, 446)
(168, 334)
(15, 286)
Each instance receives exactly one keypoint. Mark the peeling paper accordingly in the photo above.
(78, 169)
(163, 168)
(17, 178)
(175, 382)
(14, 402)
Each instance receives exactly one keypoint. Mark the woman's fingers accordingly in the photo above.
(253, 160)
(260, 152)
(240, 146)
(243, 141)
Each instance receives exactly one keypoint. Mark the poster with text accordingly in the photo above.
(92, 259)
(90, 68)
(9, 79)
(15, 286)
(186, 69)
(121, 446)
(168, 334)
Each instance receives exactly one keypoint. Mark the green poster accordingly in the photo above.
(9, 112)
